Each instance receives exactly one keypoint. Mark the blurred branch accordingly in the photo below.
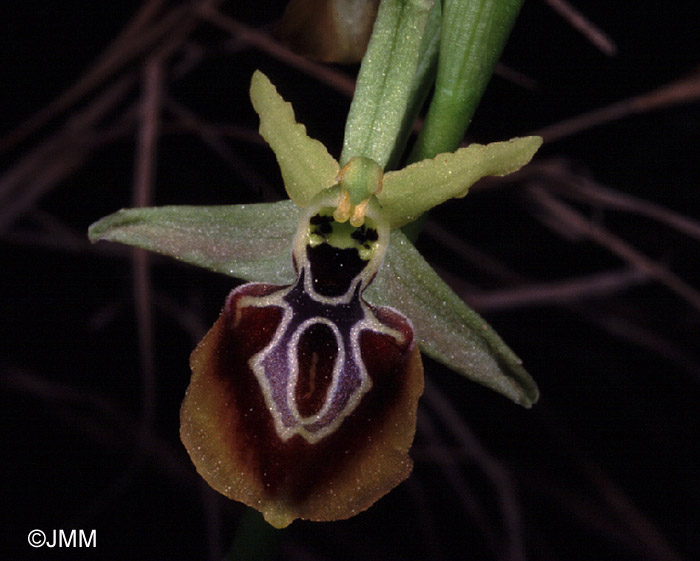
(511, 548)
(103, 422)
(146, 29)
(585, 26)
(263, 42)
(559, 292)
(647, 538)
(574, 222)
(456, 480)
(581, 188)
(43, 167)
(143, 188)
(686, 90)
(212, 137)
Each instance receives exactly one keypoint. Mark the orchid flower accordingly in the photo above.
(303, 397)
(304, 393)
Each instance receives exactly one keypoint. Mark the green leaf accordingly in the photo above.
(307, 167)
(251, 242)
(417, 188)
(446, 328)
(385, 83)
(473, 35)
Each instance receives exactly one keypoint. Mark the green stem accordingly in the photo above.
(255, 539)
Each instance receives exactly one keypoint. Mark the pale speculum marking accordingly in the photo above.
(276, 367)
(320, 299)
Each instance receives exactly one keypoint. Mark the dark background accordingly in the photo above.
(604, 467)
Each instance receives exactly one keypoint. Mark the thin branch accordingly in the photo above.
(103, 421)
(559, 292)
(583, 189)
(267, 44)
(460, 487)
(651, 540)
(76, 137)
(614, 322)
(501, 480)
(580, 225)
(137, 37)
(585, 26)
(213, 139)
(682, 91)
(144, 177)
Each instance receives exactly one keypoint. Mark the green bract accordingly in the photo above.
(472, 37)
(385, 85)
(253, 242)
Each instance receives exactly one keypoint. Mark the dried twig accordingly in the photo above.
(212, 137)
(686, 90)
(144, 176)
(576, 223)
(266, 44)
(512, 548)
(584, 26)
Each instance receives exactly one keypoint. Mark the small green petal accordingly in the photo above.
(415, 189)
(306, 165)
(446, 328)
(251, 242)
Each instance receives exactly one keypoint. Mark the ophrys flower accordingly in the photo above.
(303, 397)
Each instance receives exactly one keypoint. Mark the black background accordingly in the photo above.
(604, 467)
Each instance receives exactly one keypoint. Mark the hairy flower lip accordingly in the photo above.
(230, 435)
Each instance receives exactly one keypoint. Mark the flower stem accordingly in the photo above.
(255, 539)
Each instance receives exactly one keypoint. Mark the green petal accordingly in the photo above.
(251, 242)
(415, 189)
(306, 165)
(446, 328)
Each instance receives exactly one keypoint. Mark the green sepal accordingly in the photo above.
(385, 84)
(415, 189)
(251, 242)
(307, 167)
(446, 328)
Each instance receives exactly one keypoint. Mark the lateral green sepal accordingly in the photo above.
(251, 242)
(446, 328)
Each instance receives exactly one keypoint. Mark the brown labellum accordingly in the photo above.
(230, 432)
